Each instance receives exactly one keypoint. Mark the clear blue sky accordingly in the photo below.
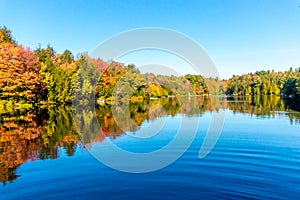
(239, 35)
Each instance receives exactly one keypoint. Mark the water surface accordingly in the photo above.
(42, 154)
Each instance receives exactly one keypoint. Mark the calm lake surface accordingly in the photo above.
(257, 156)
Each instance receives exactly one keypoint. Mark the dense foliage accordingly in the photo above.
(19, 74)
(42, 76)
(265, 83)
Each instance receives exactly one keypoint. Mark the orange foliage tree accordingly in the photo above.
(19, 74)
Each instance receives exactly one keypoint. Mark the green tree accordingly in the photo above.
(6, 36)
(67, 57)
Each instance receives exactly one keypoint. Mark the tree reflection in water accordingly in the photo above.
(39, 134)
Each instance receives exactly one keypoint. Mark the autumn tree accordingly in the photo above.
(19, 74)
(58, 74)
(198, 84)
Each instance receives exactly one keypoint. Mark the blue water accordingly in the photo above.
(254, 158)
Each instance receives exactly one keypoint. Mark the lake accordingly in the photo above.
(45, 154)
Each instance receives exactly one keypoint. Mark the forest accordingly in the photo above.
(35, 86)
(265, 83)
(38, 77)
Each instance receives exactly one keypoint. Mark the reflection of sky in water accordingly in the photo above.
(238, 127)
(255, 157)
(133, 143)
(159, 137)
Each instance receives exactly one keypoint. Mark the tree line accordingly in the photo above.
(42, 76)
(265, 83)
